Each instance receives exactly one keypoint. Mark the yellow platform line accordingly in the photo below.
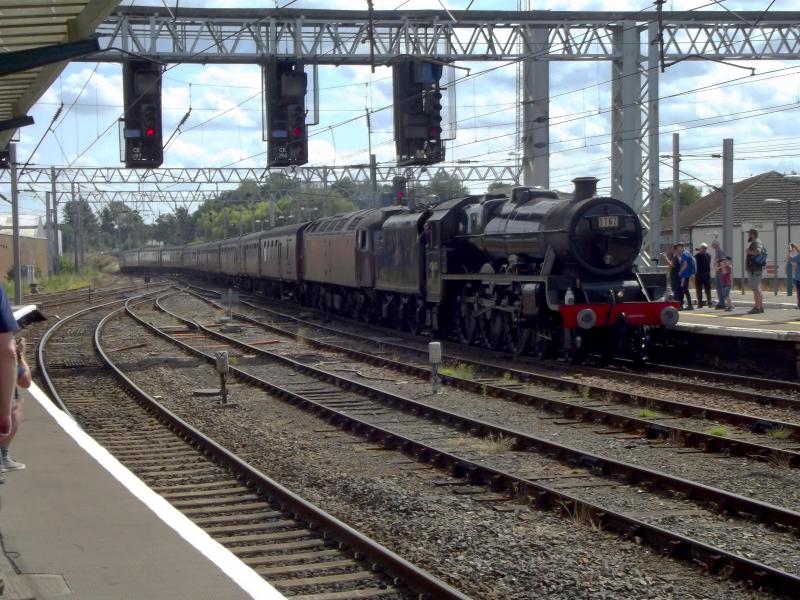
(748, 319)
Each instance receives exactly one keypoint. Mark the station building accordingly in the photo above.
(32, 246)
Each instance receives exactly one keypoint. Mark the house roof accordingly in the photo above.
(748, 203)
(30, 226)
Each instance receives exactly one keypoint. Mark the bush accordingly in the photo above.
(65, 265)
(103, 263)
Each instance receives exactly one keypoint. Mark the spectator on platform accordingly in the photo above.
(702, 280)
(719, 254)
(724, 276)
(794, 258)
(8, 365)
(686, 270)
(23, 381)
(672, 259)
(755, 247)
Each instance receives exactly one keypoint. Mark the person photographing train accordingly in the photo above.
(794, 259)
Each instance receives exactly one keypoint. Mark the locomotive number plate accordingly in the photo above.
(608, 222)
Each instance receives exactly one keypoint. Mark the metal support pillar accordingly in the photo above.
(12, 159)
(727, 196)
(676, 188)
(626, 118)
(56, 240)
(48, 228)
(653, 146)
(373, 180)
(74, 226)
(536, 112)
(79, 236)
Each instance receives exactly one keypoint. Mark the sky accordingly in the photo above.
(704, 101)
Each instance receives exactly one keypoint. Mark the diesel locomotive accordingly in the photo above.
(526, 271)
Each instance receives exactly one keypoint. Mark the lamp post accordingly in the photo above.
(788, 202)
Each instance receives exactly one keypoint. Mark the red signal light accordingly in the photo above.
(436, 131)
(297, 132)
(149, 132)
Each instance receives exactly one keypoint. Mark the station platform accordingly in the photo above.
(778, 323)
(28, 313)
(77, 524)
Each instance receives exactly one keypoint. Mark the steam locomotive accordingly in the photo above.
(526, 271)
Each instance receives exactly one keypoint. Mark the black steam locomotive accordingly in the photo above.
(526, 272)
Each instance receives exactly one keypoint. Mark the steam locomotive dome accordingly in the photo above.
(600, 236)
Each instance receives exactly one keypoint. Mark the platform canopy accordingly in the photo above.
(30, 25)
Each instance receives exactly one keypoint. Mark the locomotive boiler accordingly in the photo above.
(586, 234)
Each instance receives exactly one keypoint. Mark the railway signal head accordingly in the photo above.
(418, 113)
(142, 135)
(399, 190)
(287, 141)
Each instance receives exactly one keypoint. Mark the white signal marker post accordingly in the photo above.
(435, 358)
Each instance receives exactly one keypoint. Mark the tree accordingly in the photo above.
(89, 225)
(165, 229)
(689, 194)
(185, 225)
(441, 187)
(497, 186)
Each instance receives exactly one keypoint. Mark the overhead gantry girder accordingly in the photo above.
(341, 37)
(99, 176)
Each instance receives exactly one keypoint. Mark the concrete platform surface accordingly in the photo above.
(74, 527)
(774, 323)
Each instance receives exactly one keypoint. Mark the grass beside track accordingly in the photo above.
(98, 273)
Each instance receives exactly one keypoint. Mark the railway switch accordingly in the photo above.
(223, 367)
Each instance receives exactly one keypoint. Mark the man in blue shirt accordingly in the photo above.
(685, 272)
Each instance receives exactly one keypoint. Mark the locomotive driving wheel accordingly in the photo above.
(493, 329)
(518, 335)
(466, 323)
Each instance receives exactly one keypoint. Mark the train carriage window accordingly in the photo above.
(362, 239)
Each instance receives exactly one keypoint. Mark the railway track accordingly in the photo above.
(86, 295)
(608, 493)
(632, 411)
(759, 390)
(301, 550)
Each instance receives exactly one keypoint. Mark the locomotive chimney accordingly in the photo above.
(585, 187)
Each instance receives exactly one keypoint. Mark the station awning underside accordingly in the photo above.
(29, 24)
